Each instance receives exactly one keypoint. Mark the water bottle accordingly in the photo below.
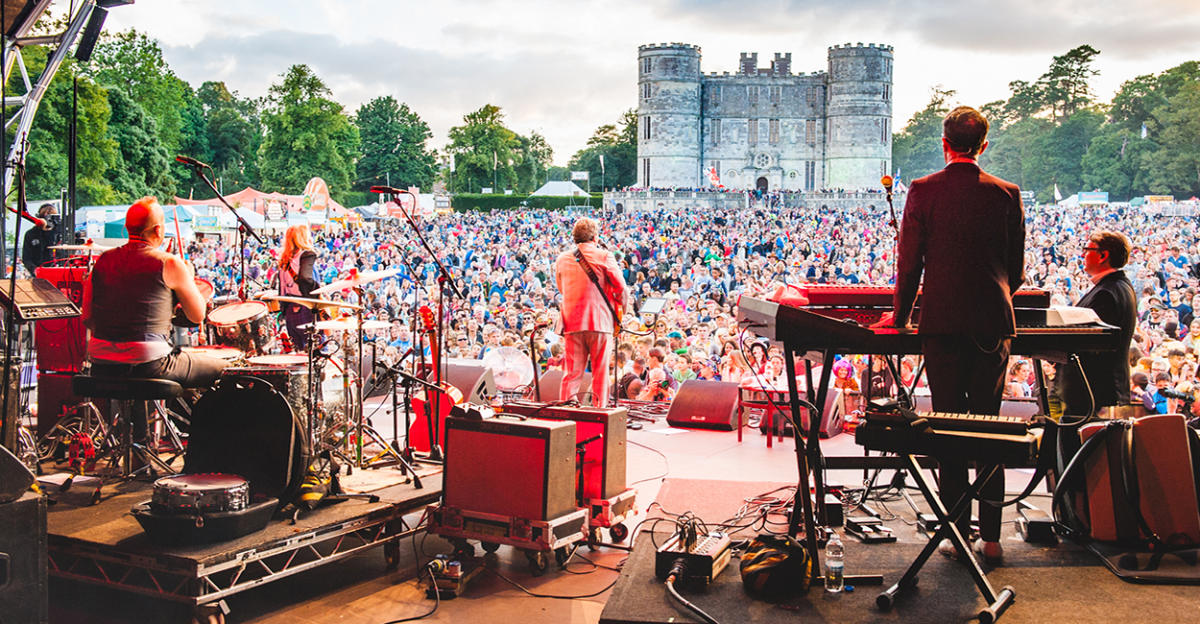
(835, 564)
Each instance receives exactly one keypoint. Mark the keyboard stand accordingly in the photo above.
(997, 602)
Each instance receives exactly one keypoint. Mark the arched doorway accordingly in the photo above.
(761, 184)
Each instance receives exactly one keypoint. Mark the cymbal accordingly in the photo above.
(346, 325)
(311, 304)
(84, 247)
(366, 277)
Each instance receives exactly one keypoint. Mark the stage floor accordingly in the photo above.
(707, 472)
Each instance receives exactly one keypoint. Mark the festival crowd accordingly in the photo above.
(699, 264)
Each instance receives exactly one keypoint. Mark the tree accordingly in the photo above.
(307, 135)
(532, 161)
(132, 62)
(917, 150)
(617, 143)
(47, 160)
(142, 166)
(393, 147)
(483, 150)
(1065, 85)
(234, 134)
(1175, 168)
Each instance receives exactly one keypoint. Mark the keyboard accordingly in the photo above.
(981, 423)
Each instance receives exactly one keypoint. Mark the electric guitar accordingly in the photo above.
(430, 407)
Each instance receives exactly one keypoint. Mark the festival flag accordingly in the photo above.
(601, 163)
(495, 161)
(1143, 130)
(1057, 194)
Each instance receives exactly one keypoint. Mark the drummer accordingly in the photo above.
(296, 279)
(128, 302)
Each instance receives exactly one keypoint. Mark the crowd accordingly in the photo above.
(699, 264)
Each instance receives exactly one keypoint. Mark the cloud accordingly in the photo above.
(552, 91)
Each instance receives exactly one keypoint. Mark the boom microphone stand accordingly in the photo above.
(243, 227)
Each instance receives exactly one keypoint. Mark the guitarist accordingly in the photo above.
(593, 294)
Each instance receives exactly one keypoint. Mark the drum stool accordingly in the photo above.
(127, 391)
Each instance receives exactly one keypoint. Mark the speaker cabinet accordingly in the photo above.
(603, 459)
(62, 343)
(705, 404)
(550, 382)
(474, 380)
(833, 415)
(521, 469)
(23, 560)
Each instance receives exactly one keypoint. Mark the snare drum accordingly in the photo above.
(200, 493)
(229, 354)
(272, 304)
(244, 325)
(282, 359)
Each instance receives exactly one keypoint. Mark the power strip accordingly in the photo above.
(701, 562)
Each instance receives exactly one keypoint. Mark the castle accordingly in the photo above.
(764, 128)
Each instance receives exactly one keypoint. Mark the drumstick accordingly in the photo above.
(178, 241)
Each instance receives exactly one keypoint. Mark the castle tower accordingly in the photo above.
(668, 115)
(858, 138)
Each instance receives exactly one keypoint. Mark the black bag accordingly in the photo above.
(775, 567)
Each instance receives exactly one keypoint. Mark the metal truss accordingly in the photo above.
(190, 581)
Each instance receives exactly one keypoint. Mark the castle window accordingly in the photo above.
(810, 132)
(774, 132)
(646, 172)
(714, 95)
(883, 168)
(887, 95)
(811, 96)
(714, 132)
(883, 135)
(646, 65)
(646, 127)
(775, 94)
(810, 175)
(646, 91)
(752, 93)
(752, 132)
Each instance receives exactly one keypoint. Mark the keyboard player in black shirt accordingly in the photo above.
(1113, 299)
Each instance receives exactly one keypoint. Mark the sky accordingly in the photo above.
(564, 67)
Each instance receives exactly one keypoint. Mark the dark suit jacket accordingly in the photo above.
(966, 230)
(1115, 303)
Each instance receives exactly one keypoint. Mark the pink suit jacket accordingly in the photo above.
(583, 307)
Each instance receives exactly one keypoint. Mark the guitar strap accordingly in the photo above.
(591, 273)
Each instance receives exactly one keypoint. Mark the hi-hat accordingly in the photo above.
(346, 325)
(89, 246)
(310, 303)
(355, 280)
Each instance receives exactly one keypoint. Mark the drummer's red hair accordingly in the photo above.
(296, 240)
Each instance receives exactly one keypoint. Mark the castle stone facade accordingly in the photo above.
(767, 127)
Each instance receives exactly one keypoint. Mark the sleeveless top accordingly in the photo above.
(287, 278)
(131, 306)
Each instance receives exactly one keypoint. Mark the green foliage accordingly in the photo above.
(483, 150)
(234, 132)
(618, 145)
(477, 202)
(532, 161)
(142, 161)
(393, 148)
(917, 150)
(46, 163)
(307, 135)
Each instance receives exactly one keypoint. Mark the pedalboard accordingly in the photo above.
(869, 530)
(1035, 525)
(928, 523)
(703, 558)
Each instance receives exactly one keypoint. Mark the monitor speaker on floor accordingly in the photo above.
(705, 404)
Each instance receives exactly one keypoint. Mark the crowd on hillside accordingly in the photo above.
(699, 264)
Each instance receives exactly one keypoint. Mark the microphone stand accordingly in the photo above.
(537, 386)
(243, 229)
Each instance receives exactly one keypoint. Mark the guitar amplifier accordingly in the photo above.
(604, 459)
(62, 343)
(514, 468)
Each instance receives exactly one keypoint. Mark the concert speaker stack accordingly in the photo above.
(515, 468)
(474, 380)
(705, 404)
(22, 545)
(550, 383)
(603, 459)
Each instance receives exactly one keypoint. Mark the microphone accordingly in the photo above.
(191, 162)
(886, 181)
(24, 214)
(387, 189)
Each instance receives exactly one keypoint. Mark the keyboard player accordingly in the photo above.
(965, 230)
(1113, 299)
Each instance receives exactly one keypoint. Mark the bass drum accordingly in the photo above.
(244, 427)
